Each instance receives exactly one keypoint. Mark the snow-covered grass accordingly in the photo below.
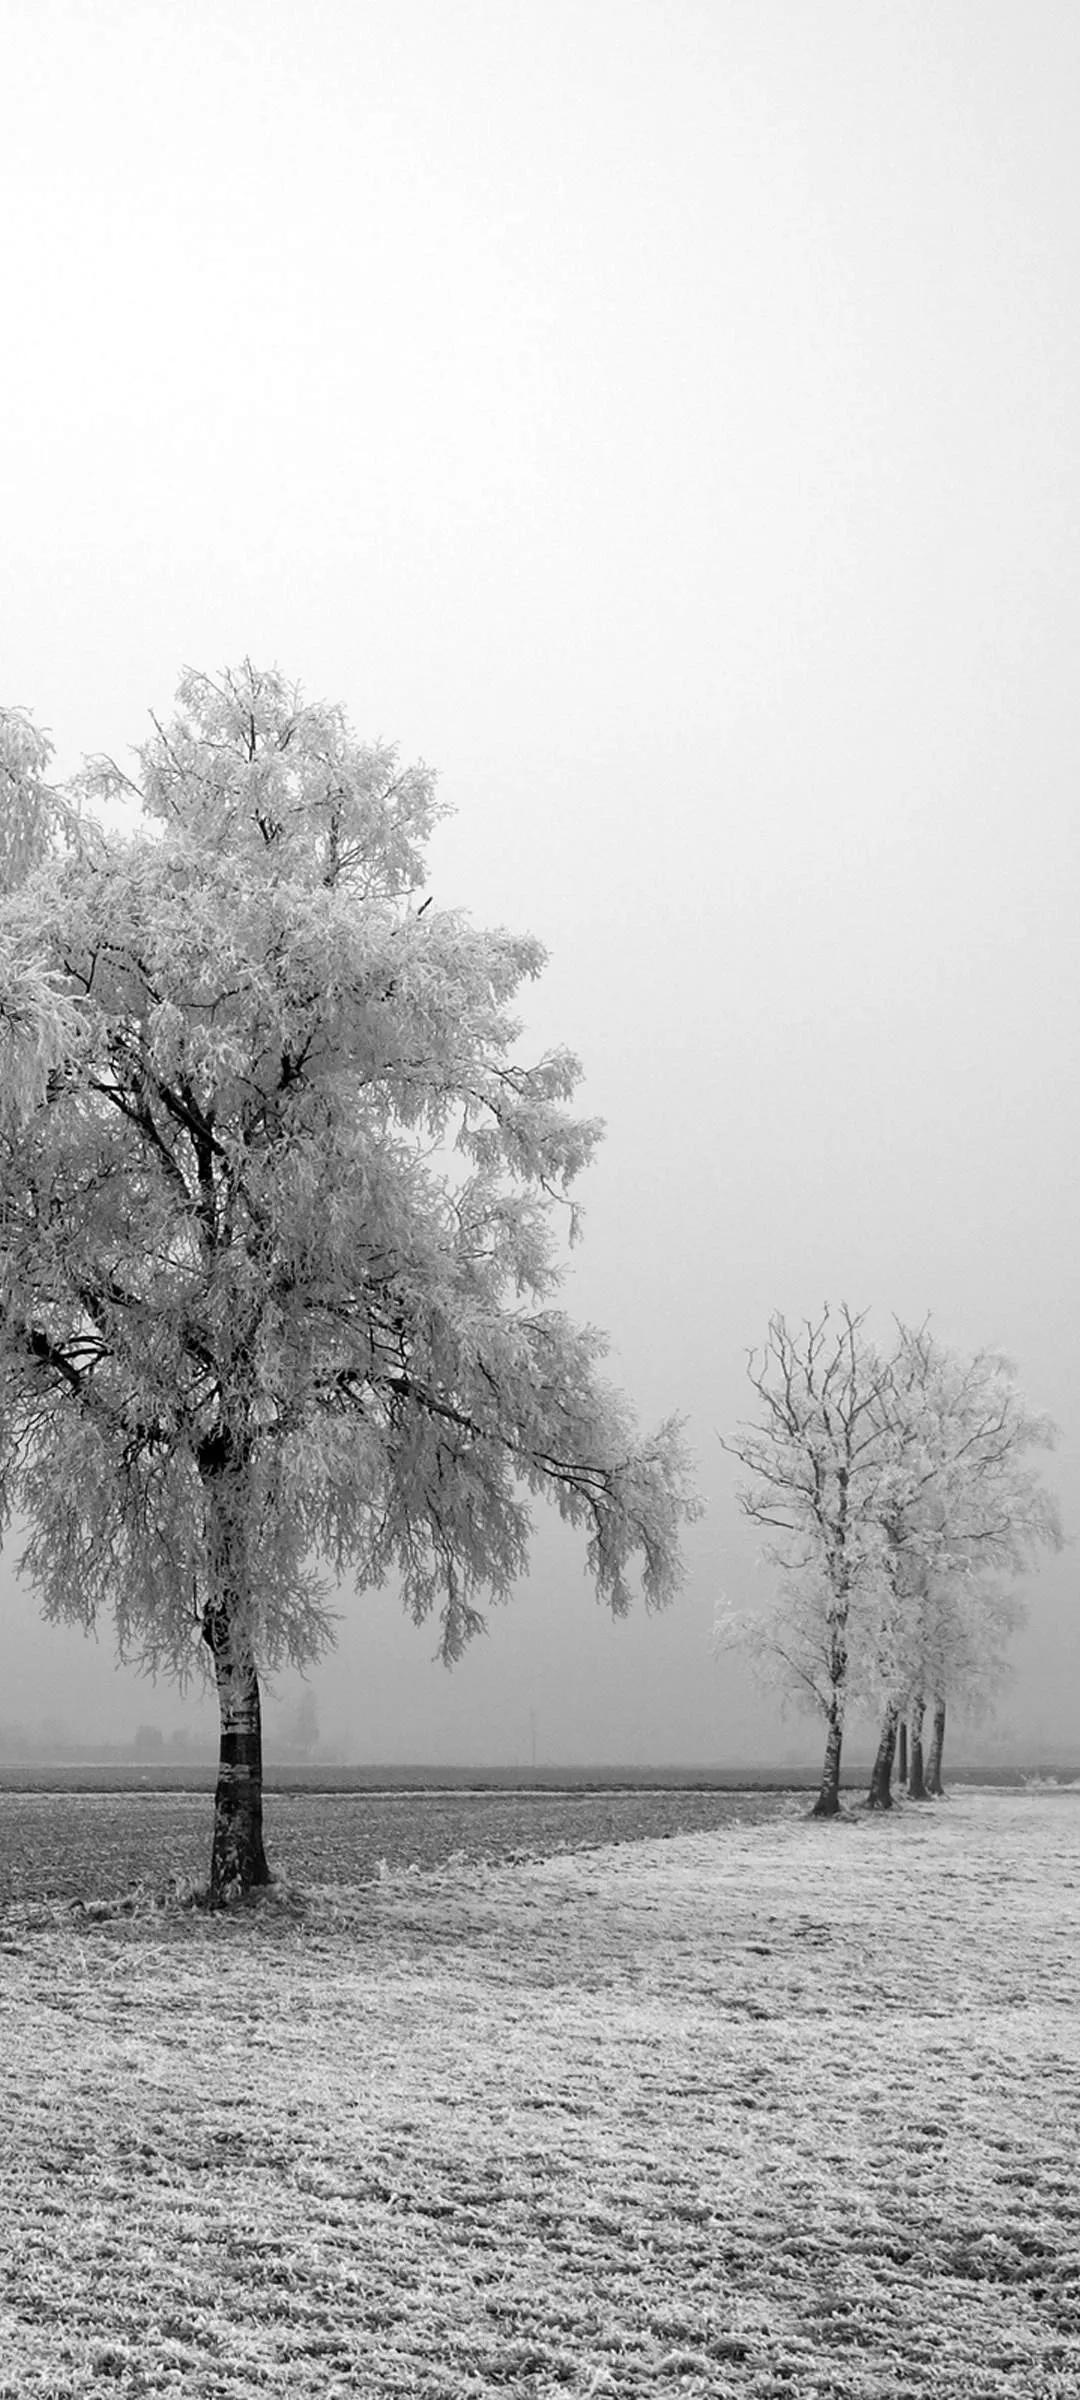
(787, 2110)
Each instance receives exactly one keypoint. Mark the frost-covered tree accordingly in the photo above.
(960, 1655)
(277, 1200)
(815, 1455)
(964, 1514)
(35, 818)
(36, 821)
(900, 1503)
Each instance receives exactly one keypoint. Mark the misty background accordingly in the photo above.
(662, 419)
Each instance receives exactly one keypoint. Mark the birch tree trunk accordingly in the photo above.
(827, 1803)
(880, 1792)
(901, 1764)
(916, 1780)
(934, 1783)
(237, 1859)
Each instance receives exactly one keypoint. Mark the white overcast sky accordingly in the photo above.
(663, 418)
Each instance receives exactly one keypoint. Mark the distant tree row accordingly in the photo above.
(899, 1502)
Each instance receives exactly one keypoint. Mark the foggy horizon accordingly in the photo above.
(663, 422)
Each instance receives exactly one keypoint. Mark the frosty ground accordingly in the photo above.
(781, 2109)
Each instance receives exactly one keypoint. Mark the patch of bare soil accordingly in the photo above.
(788, 2113)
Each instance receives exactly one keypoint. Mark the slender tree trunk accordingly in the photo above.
(827, 1803)
(934, 1783)
(237, 1859)
(916, 1780)
(880, 1793)
(901, 1763)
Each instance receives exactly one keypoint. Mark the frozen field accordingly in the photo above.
(781, 2109)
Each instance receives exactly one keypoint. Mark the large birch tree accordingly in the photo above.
(278, 1205)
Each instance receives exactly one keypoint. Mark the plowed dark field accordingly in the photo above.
(95, 1845)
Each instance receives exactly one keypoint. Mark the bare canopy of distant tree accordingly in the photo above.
(276, 1208)
(814, 1457)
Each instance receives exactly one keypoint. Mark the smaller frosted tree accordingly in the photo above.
(965, 1513)
(814, 1457)
(966, 1658)
(276, 1199)
(956, 1651)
